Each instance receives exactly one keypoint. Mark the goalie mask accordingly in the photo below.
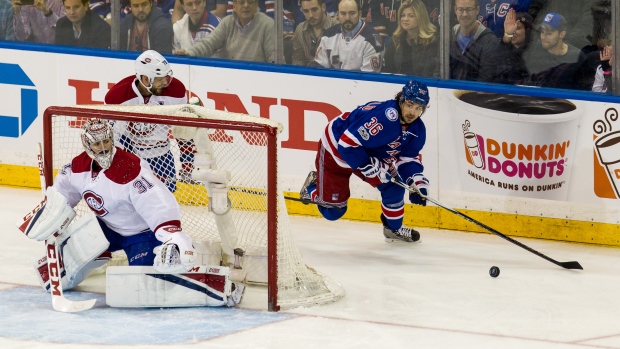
(153, 65)
(98, 141)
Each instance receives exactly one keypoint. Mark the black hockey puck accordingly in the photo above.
(494, 271)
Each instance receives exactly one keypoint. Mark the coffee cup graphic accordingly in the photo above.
(515, 145)
(608, 151)
(473, 147)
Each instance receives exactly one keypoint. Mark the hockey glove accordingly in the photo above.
(422, 184)
(378, 170)
(51, 216)
(176, 254)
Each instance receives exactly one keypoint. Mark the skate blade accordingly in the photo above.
(399, 240)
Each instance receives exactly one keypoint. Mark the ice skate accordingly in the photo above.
(304, 195)
(236, 295)
(404, 234)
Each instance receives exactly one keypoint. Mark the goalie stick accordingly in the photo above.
(414, 189)
(59, 302)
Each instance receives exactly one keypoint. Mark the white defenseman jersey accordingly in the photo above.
(147, 140)
(363, 51)
(126, 196)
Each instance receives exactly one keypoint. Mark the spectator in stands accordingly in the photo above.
(602, 79)
(36, 23)
(601, 30)
(309, 33)
(146, 28)
(552, 62)
(414, 47)
(516, 40)
(381, 15)
(195, 24)
(432, 6)
(102, 8)
(288, 21)
(475, 52)
(494, 13)
(576, 12)
(215, 7)
(601, 38)
(166, 7)
(331, 8)
(82, 27)
(352, 44)
(246, 35)
(7, 30)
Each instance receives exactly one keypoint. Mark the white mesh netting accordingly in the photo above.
(217, 142)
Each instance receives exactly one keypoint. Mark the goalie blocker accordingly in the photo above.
(132, 286)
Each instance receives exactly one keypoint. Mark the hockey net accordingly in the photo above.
(197, 138)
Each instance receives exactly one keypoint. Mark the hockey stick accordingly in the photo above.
(306, 202)
(414, 189)
(59, 302)
(291, 198)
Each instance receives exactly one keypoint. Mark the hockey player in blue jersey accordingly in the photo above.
(376, 141)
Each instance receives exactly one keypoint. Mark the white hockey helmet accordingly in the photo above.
(99, 132)
(153, 65)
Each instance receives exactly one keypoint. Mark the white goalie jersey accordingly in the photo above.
(126, 196)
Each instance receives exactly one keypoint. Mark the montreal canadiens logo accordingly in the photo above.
(391, 114)
(97, 127)
(141, 129)
(95, 202)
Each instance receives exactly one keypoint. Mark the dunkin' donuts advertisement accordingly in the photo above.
(514, 145)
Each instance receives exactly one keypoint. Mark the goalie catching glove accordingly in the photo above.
(51, 216)
(176, 254)
(378, 172)
(422, 184)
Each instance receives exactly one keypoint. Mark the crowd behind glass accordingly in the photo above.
(549, 43)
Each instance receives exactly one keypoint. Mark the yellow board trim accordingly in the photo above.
(415, 216)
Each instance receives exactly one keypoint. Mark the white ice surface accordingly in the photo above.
(437, 294)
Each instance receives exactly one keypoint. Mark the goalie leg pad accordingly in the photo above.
(50, 216)
(145, 287)
(80, 249)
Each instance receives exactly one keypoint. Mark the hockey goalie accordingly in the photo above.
(131, 210)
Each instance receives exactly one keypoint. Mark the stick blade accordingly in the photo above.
(64, 305)
(571, 265)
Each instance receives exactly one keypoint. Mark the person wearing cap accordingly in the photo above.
(515, 41)
(475, 52)
(553, 62)
(576, 12)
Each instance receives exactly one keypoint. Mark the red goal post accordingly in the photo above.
(243, 146)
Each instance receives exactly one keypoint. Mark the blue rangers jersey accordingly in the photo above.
(374, 130)
(493, 13)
